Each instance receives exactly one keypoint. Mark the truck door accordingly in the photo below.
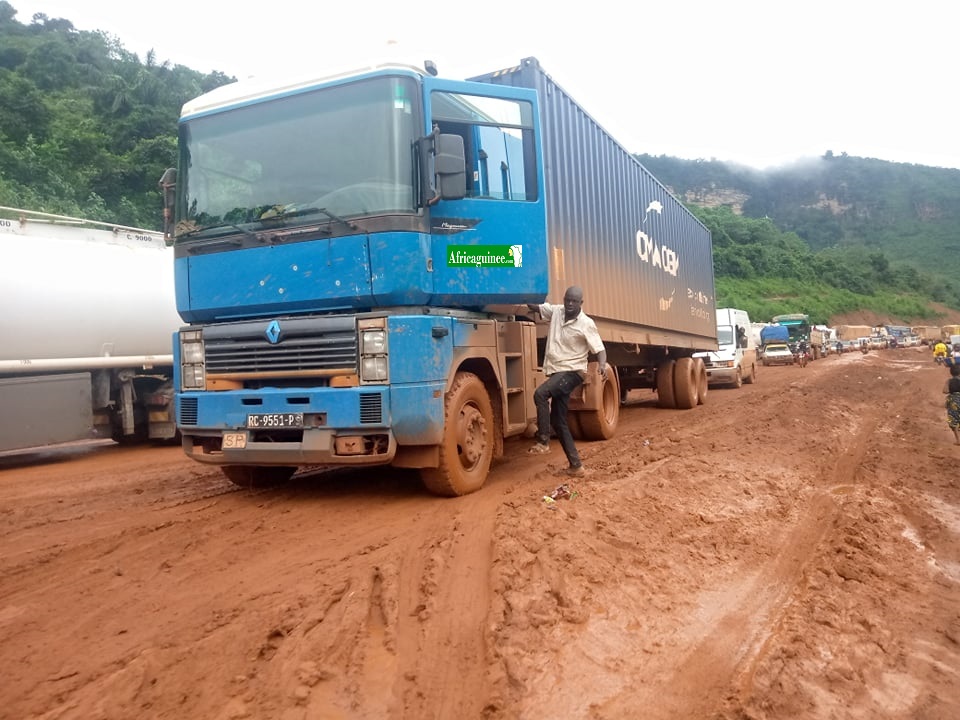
(491, 246)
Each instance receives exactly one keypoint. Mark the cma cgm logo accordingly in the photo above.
(657, 255)
(273, 332)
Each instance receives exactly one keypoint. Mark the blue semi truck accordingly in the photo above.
(354, 255)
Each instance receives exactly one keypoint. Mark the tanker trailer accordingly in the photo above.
(86, 350)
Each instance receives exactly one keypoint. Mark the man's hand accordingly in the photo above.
(602, 369)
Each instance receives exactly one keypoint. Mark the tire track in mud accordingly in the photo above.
(395, 623)
(450, 608)
(756, 613)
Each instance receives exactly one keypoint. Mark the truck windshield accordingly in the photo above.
(338, 152)
(724, 335)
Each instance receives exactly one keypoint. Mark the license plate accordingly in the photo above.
(234, 440)
(274, 420)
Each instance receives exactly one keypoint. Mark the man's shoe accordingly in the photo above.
(577, 471)
(539, 449)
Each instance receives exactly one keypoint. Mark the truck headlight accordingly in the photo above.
(374, 342)
(192, 372)
(373, 368)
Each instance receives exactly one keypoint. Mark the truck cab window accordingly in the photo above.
(499, 143)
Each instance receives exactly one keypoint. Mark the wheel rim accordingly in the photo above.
(471, 437)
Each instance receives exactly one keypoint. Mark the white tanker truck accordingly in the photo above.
(86, 331)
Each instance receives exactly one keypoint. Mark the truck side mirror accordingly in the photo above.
(443, 167)
(450, 167)
(168, 186)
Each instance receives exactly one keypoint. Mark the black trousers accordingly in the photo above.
(552, 400)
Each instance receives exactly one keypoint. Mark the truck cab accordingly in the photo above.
(735, 361)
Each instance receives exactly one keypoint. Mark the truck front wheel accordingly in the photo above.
(467, 447)
(738, 379)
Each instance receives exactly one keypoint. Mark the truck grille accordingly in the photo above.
(188, 411)
(325, 343)
(370, 408)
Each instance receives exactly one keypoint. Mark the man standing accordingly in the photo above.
(572, 337)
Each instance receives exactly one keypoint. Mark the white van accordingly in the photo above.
(735, 362)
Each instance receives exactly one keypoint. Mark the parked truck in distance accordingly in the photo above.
(928, 334)
(853, 332)
(798, 328)
(355, 254)
(86, 349)
(949, 332)
(734, 362)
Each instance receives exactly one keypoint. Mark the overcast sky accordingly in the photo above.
(758, 82)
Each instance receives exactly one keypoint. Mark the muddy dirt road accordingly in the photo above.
(790, 549)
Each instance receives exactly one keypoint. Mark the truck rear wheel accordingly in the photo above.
(665, 396)
(573, 422)
(601, 424)
(467, 447)
(703, 383)
(686, 383)
(256, 476)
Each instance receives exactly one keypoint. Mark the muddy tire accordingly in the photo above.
(738, 381)
(665, 396)
(573, 422)
(257, 476)
(467, 447)
(703, 384)
(752, 377)
(602, 424)
(685, 383)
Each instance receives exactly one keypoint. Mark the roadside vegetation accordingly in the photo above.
(86, 128)
(768, 272)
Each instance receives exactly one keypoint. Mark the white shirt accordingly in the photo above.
(568, 341)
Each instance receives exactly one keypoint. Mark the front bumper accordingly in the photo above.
(318, 446)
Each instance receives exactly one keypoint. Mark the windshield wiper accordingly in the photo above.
(279, 212)
(338, 219)
(199, 231)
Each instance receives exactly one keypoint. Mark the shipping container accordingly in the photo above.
(644, 260)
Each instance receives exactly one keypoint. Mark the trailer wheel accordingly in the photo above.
(685, 383)
(467, 447)
(703, 383)
(573, 422)
(601, 424)
(257, 476)
(665, 396)
(752, 377)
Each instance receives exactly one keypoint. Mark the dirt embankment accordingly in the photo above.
(946, 316)
(788, 550)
